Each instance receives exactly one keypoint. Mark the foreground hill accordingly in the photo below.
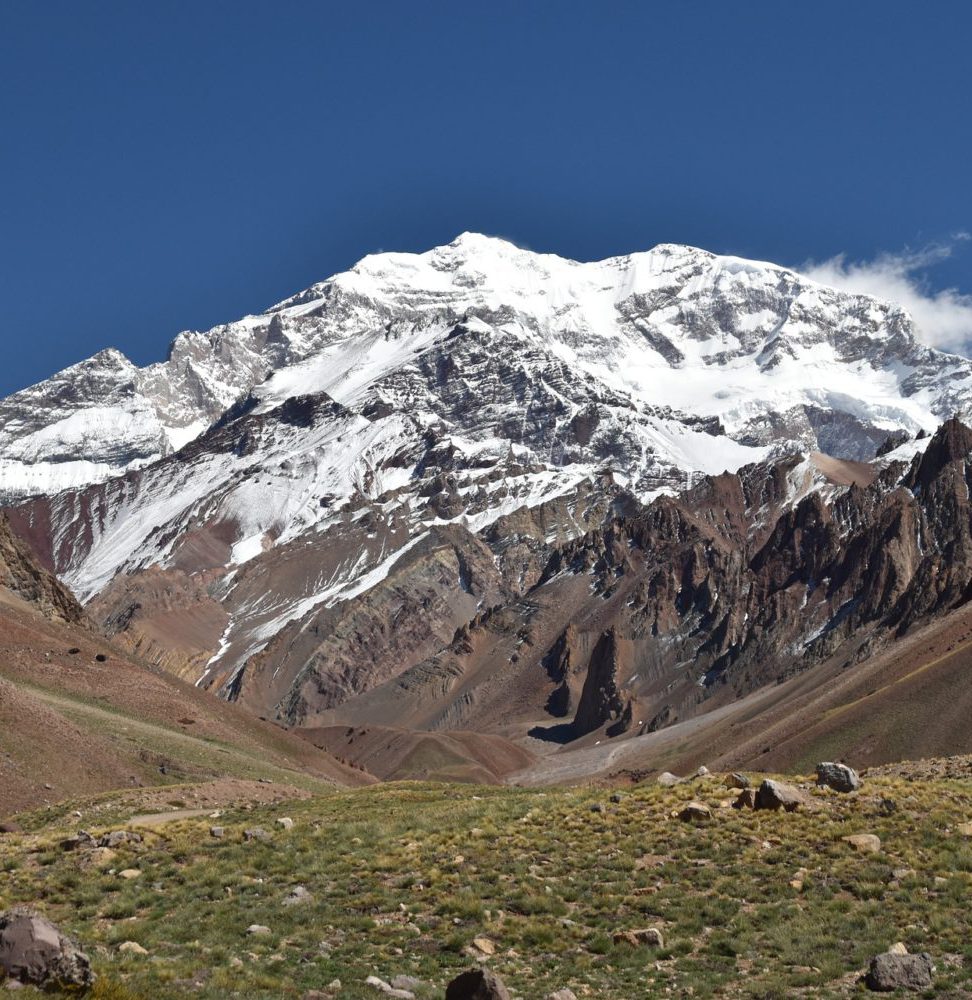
(546, 888)
(78, 716)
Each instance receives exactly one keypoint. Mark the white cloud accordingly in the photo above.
(942, 318)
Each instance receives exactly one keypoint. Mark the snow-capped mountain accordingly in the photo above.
(766, 353)
(434, 423)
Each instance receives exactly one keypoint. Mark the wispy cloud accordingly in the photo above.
(943, 318)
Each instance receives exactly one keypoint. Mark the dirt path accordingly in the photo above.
(159, 819)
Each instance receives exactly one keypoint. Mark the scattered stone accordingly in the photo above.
(778, 795)
(101, 658)
(118, 837)
(839, 777)
(898, 948)
(563, 994)
(255, 833)
(285, 822)
(73, 651)
(890, 972)
(132, 948)
(35, 952)
(216, 831)
(598, 807)
(484, 945)
(130, 873)
(617, 797)
(667, 779)
(296, 896)
(737, 780)
(101, 856)
(477, 984)
(964, 829)
(866, 843)
(81, 839)
(649, 936)
(702, 772)
(695, 812)
(902, 873)
(799, 879)
(406, 983)
(11, 827)
(388, 989)
(746, 799)
(257, 930)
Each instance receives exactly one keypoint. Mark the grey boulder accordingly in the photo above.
(35, 952)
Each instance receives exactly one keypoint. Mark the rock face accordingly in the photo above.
(21, 575)
(890, 972)
(840, 777)
(35, 952)
(477, 984)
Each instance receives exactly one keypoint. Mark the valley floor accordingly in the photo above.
(424, 880)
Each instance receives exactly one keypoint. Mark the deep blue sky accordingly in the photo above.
(174, 165)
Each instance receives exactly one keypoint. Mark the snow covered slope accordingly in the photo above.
(769, 354)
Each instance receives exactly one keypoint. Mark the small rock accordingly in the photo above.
(285, 822)
(388, 989)
(889, 972)
(866, 843)
(839, 777)
(257, 930)
(598, 807)
(406, 983)
(898, 948)
(296, 896)
(702, 772)
(132, 948)
(778, 795)
(255, 833)
(617, 797)
(964, 829)
(119, 837)
(563, 994)
(334, 985)
(11, 827)
(649, 936)
(746, 799)
(667, 779)
(477, 984)
(737, 780)
(216, 831)
(484, 945)
(130, 873)
(695, 812)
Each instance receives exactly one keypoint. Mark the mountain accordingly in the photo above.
(483, 488)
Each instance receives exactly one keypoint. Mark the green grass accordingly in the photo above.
(405, 876)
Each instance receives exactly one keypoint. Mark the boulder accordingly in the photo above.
(866, 843)
(477, 984)
(667, 779)
(649, 936)
(737, 780)
(839, 777)
(746, 799)
(255, 833)
(890, 972)
(695, 812)
(778, 795)
(35, 952)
